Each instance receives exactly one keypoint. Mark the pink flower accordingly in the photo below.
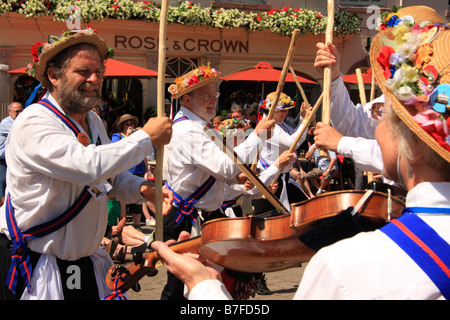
(434, 125)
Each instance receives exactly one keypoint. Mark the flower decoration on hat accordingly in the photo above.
(229, 126)
(283, 104)
(407, 61)
(39, 48)
(389, 19)
(193, 78)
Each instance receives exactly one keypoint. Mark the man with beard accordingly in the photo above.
(197, 167)
(52, 223)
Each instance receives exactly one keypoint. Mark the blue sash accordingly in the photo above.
(263, 162)
(20, 260)
(423, 245)
(229, 203)
(186, 206)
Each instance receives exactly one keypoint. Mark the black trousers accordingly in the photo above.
(174, 288)
(294, 195)
(87, 289)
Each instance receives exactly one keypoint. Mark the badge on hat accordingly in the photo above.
(440, 98)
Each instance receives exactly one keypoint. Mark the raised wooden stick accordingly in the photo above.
(284, 72)
(286, 66)
(160, 113)
(307, 122)
(372, 87)
(326, 108)
(362, 90)
(299, 86)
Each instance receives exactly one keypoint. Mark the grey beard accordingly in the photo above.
(74, 102)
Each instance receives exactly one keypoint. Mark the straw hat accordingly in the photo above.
(193, 80)
(125, 118)
(44, 52)
(412, 67)
(284, 102)
(412, 14)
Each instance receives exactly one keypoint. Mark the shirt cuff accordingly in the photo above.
(209, 290)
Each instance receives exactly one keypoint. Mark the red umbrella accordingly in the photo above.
(114, 69)
(263, 71)
(366, 76)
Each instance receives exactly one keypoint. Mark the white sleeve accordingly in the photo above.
(350, 119)
(209, 290)
(365, 152)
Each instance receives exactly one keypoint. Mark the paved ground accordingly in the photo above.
(283, 284)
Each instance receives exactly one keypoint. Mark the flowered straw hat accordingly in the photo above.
(412, 14)
(284, 102)
(193, 80)
(411, 63)
(44, 52)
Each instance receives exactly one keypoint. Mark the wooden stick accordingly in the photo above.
(160, 113)
(287, 63)
(218, 140)
(362, 90)
(299, 86)
(372, 87)
(308, 121)
(326, 111)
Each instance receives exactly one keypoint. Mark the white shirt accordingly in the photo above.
(365, 152)
(192, 157)
(371, 266)
(281, 140)
(350, 119)
(47, 169)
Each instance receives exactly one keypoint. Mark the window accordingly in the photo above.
(176, 67)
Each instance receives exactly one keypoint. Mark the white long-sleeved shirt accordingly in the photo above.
(371, 266)
(350, 119)
(48, 168)
(368, 266)
(192, 157)
(281, 140)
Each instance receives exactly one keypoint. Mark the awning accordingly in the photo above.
(114, 69)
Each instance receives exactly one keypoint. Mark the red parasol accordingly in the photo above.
(263, 71)
(114, 69)
(352, 78)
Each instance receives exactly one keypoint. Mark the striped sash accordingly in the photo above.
(20, 260)
(423, 245)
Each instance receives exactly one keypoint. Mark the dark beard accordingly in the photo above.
(74, 102)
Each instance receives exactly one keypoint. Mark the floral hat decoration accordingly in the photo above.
(284, 102)
(409, 15)
(230, 126)
(412, 67)
(193, 80)
(44, 52)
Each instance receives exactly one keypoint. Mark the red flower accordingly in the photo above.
(383, 59)
(193, 80)
(35, 51)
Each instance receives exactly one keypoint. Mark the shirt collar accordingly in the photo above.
(429, 194)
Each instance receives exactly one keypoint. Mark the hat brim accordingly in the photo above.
(49, 54)
(406, 113)
(126, 118)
